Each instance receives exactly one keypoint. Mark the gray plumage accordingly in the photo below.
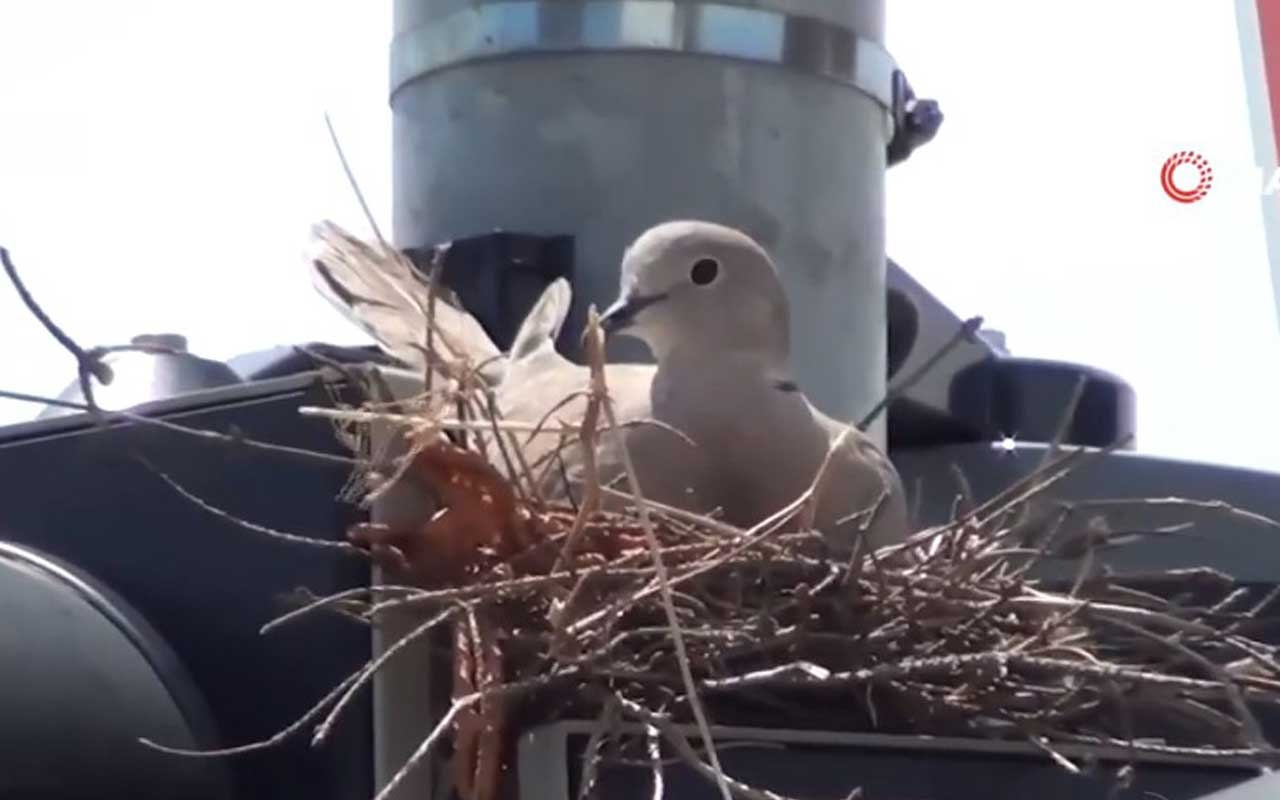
(712, 309)
(708, 302)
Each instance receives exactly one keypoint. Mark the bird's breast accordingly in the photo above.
(760, 445)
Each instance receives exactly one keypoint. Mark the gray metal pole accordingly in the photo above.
(601, 118)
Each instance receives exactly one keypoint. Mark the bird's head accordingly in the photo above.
(697, 284)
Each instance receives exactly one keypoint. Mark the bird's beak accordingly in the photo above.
(616, 317)
(622, 313)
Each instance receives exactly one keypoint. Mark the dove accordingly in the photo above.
(708, 302)
(716, 424)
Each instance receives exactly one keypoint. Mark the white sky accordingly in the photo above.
(160, 163)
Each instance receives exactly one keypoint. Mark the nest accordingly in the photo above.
(649, 615)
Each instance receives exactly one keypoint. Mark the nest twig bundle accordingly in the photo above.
(660, 617)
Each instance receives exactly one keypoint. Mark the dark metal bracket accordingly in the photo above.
(915, 121)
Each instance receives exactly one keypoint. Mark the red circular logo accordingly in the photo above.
(1202, 168)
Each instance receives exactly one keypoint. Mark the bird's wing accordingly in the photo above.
(536, 376)
(548, 387)
(542, 325)
(379, 291)
(861, 478)
(377, 288)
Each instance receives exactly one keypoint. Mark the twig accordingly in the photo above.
(596, 397)
(595, 344)
(334, 599)
(710, 771)
(493, 588)
(522, 477)
(204, 505)
(412, 420)
(965, 332)
(351, 179)
(367, 672)
(591, 753)
(437, 266)
(211, 436)
(1038, 599)
(1043, 744)
(459, 705)
(1252, 728)
(809, 510)
(750, 538)
(1217, 506)
(653, 744)
(87, 364)
(1064, 422)
(1268, 755)
(279, 737)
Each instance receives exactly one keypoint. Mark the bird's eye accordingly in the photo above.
(704, 271)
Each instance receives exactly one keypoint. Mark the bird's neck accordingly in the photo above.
(764, 356)
(697, 364)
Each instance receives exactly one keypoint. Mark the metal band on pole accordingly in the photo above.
(526, 27)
